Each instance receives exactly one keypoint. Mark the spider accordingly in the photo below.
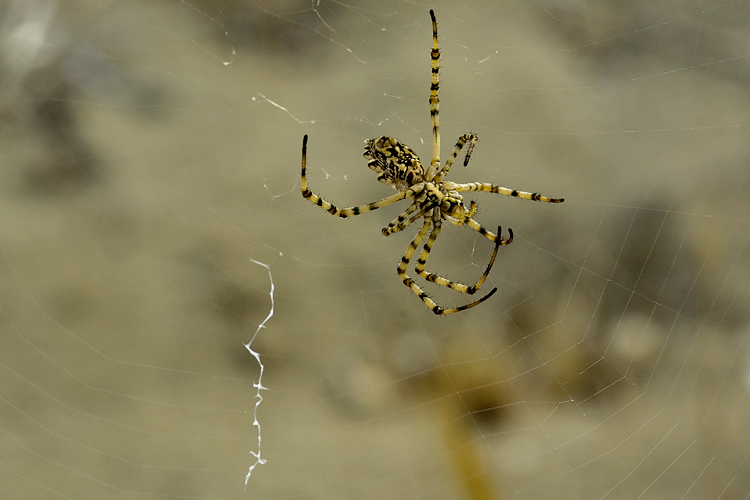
(434, 198)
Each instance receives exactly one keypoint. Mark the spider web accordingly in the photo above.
(169, 298)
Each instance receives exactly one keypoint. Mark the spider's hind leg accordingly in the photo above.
(469, 306)
(416, 289)
(401, 270)
(434, 278)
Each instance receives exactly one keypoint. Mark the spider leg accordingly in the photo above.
(495, 238)
(405, 219)
(471, 290)
(349, 211)
(490, 188)
(469, 306)
(434, 101)
(415, 288)
(401, 270)
(471, 138)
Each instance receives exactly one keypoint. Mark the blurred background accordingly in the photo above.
(152, 221)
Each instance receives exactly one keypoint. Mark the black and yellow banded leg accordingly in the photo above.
(405, 219)
(415, 288)
(470, 289)
(434, 101)
(400, 222)
(405, 263)
(471, 139)
(349, 211)
(495, 238)
(490, 188)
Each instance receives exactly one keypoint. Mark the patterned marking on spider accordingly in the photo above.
(433, 198)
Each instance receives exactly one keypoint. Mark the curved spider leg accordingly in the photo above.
(495, 238)
(468, 306)
(415, 288)
(434, 101)
(434, 278)
(491, 188)
(348, 211)
(471, 138)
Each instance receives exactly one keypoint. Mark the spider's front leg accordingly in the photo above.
(470, 138)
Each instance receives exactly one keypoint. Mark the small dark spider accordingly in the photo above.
(434, 198)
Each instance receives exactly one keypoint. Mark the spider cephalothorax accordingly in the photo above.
(433, 198)
(398, 165)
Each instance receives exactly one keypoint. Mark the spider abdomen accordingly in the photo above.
(395, 163)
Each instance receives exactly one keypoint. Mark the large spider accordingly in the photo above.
(434, 198)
